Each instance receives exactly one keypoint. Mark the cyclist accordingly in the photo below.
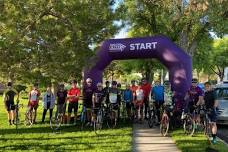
(61, 101)
(33, 102)
(106, 91)
(113, 100)
(73, 97)
(211, 105)
(158, 94)
(146, 87)
(139, 103)
(87, 100)
(195, 99)
(128, 100)
(98, 97)
(168, 95)
(8, 97)
(48, 103)
(133, 88)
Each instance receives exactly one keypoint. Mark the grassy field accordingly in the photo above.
(198, 143)
(40, 137)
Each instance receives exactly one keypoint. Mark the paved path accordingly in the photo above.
(147, 139)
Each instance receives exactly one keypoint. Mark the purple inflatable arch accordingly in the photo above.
(178, 63)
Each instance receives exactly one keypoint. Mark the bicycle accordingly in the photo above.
(58, 120)
(17, 107)
(124, 111)
(165, 120)
(188, 123)
(83, 117)
(153, 118)
(98, 120)
(207, 130)
(112, 115)
(28, 117)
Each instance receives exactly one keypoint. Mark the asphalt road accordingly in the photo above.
(223, 132)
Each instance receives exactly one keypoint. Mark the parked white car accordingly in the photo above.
(221, 91)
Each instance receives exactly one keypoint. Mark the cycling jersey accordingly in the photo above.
(113, 95)
(98, 97)
(139, 94)
(158, 93)
(209, 98)
(87, 96)
(106, 91)
(146, 89)
(62, 95)
(194, 94)
(73, 91)
(127, 96)
(133, 89)
(34, 95)
(9, 95)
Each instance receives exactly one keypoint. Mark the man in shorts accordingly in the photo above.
(8, 97)
(33, 103)
(61, 101)
(73, 97)
(211, 105)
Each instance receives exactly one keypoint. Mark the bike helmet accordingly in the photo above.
(114, 83)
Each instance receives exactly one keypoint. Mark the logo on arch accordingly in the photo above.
(116, 47)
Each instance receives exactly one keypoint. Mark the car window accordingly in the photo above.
(221, 93)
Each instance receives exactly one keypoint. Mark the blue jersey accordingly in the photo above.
(158, 93)
(127, 95)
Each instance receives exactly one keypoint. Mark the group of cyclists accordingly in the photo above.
(135, 98)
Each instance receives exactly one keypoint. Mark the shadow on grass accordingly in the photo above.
(63, 129)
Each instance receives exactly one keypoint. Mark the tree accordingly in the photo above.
(51, 40)
(185, 22)
(219, 58)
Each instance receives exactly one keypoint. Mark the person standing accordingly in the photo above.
(61, 101)
(88, 100)
(133, 88)
(211, 105)
(106, 91)
(48, 103)
(73, 97)
(158, 95)
(9, 97)
(139, 103)
(33, 102)
(128, 100)
(146, 87)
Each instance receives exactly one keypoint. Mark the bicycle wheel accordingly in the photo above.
(189, 125)
(151, 119)
(28, 119)
(83, 118)
(58, 121)
(164, 127)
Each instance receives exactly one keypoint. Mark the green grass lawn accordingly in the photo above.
(40, 137)
(197, 143)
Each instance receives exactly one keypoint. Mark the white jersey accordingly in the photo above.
(139, 94)
(34, 94)
(113, 97)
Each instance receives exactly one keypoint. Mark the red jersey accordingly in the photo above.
(73, 91)
(34, 95)
(133, 89)
(146, 89)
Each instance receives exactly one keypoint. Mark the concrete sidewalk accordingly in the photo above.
(150, 139)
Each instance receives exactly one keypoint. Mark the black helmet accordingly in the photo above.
(9, 84)
(194, 80)
(114, 83)
(107, 82)
(119, 85)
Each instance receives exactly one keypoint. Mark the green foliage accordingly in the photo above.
(40, 137)
(50, 40)
(197, 143)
